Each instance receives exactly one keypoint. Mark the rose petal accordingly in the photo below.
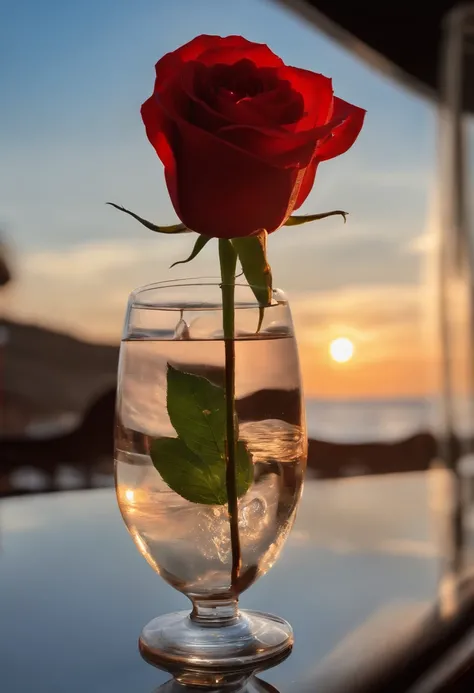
(161, 134)
(307, 183)
(317, 93)
(230, 51)
(170, 63)
(277, 148)
(195, 83)
(237, 196)
(348, 121)
(194, 48)
(276, 108)
(341, 139)
(213, 107)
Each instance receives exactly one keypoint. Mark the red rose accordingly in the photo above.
(240, 134)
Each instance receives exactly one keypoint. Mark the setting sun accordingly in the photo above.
(341, 349)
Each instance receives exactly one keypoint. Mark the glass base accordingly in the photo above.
(215, 653)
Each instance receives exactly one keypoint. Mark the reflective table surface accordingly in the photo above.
(361, 566)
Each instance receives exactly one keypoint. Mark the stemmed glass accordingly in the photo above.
(176, 517)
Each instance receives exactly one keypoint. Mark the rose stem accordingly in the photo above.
(228, 261)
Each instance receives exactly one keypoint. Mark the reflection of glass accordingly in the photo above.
(188, 543)
(252, 685)
(456, 268)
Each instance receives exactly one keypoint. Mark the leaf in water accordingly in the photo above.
(195, 466)
(252, 254)
(192, 478)
(201, 241)
(174, 228)
(185, 474)
(296, 220)
(196, 408)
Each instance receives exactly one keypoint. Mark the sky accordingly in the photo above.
(72, 79)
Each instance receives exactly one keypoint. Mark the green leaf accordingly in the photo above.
(296, 220)
(195, 466)
(184, 473)
(194, 480)
(174, 228)
(201, 241)
(252, 254)
(196, 408)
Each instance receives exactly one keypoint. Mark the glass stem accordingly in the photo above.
(228, 262)
(214, 611)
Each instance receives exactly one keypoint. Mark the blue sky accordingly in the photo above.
(72, 78)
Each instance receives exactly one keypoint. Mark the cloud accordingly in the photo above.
(384, 314)
(424, 244)
(381, 301)
(84, 289)
(324, 264)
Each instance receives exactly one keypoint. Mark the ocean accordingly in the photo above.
(365, 420)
